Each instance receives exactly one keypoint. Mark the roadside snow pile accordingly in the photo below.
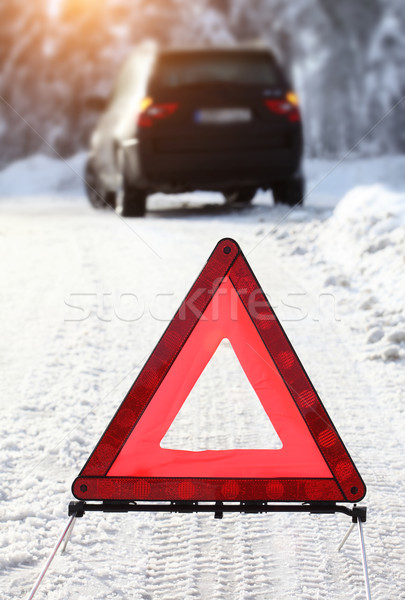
(364, 245)
(42, 175)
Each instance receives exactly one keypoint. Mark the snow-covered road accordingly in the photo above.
(86, 295)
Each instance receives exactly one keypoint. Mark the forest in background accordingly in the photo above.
(346, 59)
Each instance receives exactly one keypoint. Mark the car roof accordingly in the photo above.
(198, 51)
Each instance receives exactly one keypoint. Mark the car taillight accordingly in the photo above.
(287, 106)
(151, 112)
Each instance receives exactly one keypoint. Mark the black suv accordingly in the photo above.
(201, 119)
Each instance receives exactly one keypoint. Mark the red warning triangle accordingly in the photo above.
(129, 463)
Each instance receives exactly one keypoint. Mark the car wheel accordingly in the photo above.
(133, 202)
(289, 192)
(110, 199)
(96, 196)
(241, 196)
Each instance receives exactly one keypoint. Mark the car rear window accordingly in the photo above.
(188, 69)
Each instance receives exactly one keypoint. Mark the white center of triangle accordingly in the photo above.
(222, 411)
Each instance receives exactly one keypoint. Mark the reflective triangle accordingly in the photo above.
(129, 462)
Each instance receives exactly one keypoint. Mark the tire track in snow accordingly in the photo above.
(172, 569)
(258, 565)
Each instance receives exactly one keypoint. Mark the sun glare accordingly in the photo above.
(73, 8)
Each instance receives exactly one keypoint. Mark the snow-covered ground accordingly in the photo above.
(86, 295)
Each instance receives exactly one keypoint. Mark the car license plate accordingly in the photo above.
(222, 116)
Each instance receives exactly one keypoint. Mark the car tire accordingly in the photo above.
(289, 192)
(241, 196)
(110, 199)
(133, 202)
(97, 198)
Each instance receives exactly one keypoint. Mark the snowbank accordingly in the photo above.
(363, 244)
(39, 175)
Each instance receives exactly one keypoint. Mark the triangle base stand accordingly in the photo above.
(363, 552)
(77, 509)
(65, 535)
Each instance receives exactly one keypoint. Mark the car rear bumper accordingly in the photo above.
(180, 164)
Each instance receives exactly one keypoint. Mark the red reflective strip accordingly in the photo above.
(205, 490)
